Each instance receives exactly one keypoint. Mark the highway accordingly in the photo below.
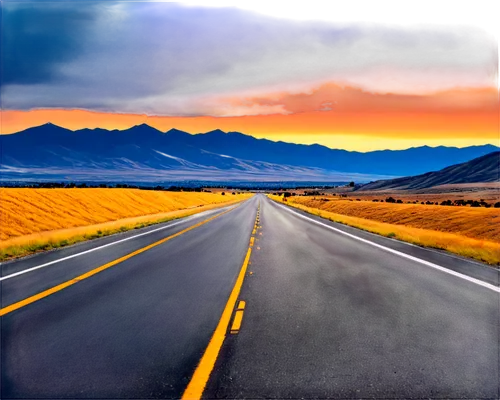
(257, 300)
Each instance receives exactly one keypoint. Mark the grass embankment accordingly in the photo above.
(469, 232)
(33, 220)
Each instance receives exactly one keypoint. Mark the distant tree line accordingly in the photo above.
(463, 203)
(71, 185)
(186, 188)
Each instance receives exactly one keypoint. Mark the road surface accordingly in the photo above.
(329, 312)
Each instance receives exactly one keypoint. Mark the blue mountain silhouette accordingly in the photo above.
(212, 155)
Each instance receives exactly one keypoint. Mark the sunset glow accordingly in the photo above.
(308, 75)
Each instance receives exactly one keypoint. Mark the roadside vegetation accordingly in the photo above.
(472, 232)
(35, 220)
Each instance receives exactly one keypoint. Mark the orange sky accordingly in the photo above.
(338, 117)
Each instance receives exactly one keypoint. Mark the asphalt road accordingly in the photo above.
(327, 315)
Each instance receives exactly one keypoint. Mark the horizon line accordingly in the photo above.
(245, 134)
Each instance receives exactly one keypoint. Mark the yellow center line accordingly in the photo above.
(199, 380)
(64, 285)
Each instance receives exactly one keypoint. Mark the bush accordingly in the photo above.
(497, 204)
(223, 194)
(390, 200)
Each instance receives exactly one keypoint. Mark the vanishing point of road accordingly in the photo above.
(257, 300)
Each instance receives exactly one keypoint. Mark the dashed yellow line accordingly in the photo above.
(64, 285)
(238, 318)
(199, 380)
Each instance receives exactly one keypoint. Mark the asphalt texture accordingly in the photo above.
(326, 316)
(330, 317)
(136, 330)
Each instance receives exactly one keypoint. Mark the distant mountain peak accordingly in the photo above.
(49, 125)
(47, 128)
(174, 131)
(216, 132)
(144, 126)
(144, 129)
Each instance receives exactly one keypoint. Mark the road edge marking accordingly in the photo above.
(183, 220)
(29, 300)
(399, 253)
(199, 380)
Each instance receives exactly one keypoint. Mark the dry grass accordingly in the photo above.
(28, 211)
(477, 223)
(490, 195)
(469, 232)
(40, 219)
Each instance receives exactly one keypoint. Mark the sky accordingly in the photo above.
(359, 75)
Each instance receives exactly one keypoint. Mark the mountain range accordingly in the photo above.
(482, 169)
(143, 153)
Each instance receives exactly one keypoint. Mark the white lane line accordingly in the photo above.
(407, 256)
(187, 219)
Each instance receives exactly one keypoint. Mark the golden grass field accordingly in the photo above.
(490, 195)
(470, 232)
(40, 219)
